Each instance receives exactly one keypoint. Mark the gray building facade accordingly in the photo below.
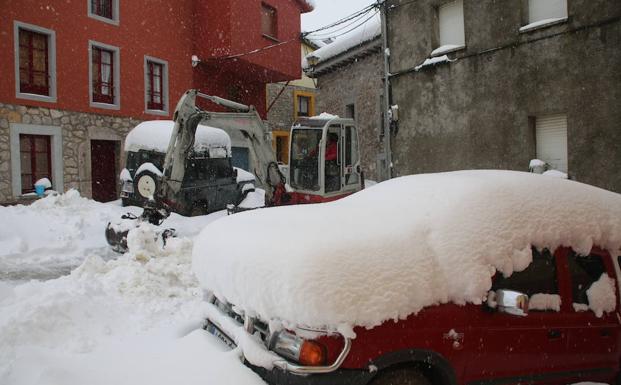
(485, 105)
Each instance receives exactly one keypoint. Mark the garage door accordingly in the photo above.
(552, 140)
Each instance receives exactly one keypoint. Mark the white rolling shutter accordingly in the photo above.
(551, 136)
(546, 9)
(451, 18)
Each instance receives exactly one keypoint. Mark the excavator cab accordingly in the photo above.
(324, 162)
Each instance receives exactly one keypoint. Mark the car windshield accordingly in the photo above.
(305, 158)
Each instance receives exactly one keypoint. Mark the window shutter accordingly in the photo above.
(451, 18)
(546, 9)
(551, 136)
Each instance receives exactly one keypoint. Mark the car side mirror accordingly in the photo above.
(512, 302)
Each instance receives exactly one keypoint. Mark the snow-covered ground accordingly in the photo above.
(106, 319)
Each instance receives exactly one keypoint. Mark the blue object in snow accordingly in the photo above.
(39, 189)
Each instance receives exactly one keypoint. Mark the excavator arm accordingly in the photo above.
(245, 120)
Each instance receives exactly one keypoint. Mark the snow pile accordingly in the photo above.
(541, 23)
(545, 302)
(601, 295)
(324, 116)
(155, 136)
(132, 320)
(150, 167)
(53, 235)
(408, 243)
(253, 200)
(537, 163)
(125, 176)
(556, 174)
(445, 49)
(243, 175)
(44, 182)
(367, 32)
(432, 61)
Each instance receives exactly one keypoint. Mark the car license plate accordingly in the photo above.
(213, 329)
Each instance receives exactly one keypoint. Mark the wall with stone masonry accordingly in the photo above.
(78, 129)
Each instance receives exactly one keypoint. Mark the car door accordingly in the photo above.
(516, 349)
(594, 339)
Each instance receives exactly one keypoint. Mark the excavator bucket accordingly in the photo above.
(116, 233)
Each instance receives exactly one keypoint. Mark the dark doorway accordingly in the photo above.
(103, 170)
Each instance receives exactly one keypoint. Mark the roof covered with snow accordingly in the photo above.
(405, 244)
(155, 135)
(368, 32)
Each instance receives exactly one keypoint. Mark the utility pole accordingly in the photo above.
(386, 107)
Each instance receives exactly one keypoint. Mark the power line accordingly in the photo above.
(316, 36)
(357, 15)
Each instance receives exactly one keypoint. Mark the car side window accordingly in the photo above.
(584, 270)
(538, 278)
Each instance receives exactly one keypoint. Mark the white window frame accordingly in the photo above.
(56, 144)
(115, 13)
(51, 98)
(450, 46)
(164, 64)
(117, 75)
(535, 22)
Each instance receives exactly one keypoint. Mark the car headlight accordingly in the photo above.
(294, 348)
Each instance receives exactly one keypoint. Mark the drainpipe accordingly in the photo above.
(386, 54)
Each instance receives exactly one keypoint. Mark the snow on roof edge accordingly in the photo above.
(370, 31)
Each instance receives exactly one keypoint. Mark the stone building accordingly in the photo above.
(288, 101)
(349, 76)
(68, 99)
(509, 82)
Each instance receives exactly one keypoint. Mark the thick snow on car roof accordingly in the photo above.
(154, 135)
(404, 244)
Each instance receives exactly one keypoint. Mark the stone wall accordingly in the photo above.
(282, 114)
(359, 83)
(476, 112)
(78, 129)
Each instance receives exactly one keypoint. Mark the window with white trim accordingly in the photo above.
(35, 62)
(451, 25)
(542, 10)
(156, 85)
(104, 76)
(36, 152)
(104, 10)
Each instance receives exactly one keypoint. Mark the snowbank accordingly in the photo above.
(405, 244)
(155, 136)
(131, 320)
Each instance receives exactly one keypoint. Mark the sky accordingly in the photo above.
(328, 11)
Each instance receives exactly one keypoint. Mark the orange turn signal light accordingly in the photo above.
(312, 353)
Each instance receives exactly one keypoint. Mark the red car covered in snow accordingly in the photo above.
(478, 277)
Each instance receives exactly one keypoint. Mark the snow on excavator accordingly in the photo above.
(324, 162)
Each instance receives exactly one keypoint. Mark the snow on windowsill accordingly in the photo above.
(448, 48)
(543, 23)
(432, 61)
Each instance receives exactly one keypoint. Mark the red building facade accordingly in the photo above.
(82, 73)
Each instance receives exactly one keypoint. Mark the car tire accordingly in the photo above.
(146, 179)
(401, 376)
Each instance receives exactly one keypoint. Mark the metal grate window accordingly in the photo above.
(33, 63)
(103, 75)
(102, 8)
(155, 86)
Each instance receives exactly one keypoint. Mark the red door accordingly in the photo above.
(103, 166)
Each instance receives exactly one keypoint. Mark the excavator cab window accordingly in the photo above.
(305, 161)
